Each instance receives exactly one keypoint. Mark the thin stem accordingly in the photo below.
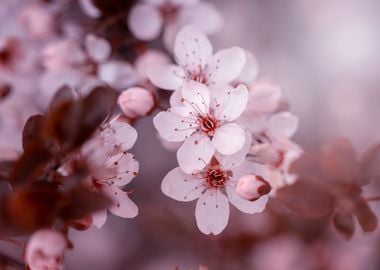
(372, 199)
(13, 241)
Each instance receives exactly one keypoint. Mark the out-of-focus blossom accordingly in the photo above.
(147, 19)
(89, 8)
(214, 186)
(136, 102)
(205, 122)
(250, 70)
(149, 59)
(196, 62)
(45, 250)
(252, 187)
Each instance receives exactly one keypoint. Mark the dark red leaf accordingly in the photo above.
(366, 218)
(370, 164)
(344, 224)
(64, 94)
(306, 199)
(6, 168)
(32, 132)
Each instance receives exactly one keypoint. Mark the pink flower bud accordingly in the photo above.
(45, 249)
(252, 187)
(136, 102)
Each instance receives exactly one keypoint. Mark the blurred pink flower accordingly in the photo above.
(89, 9)
(205, 122)
(136, 102)
(196, 62)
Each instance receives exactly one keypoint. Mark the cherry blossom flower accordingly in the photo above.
(136, 102)
(45, 250)
(193, 53)
(147, 18)
(205, 125)
(214, 186)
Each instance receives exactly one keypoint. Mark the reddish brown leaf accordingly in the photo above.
(344, 224)
(366, 218)
(64, 94)
(306, 199)
(32, 132)
(370, 164)
(6, 168)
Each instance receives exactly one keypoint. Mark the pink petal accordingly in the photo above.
(196, 96)
(195, 153)
(176, 99)
(283, 124)
(148, 59)
(183, 3)
(243, 205)
(118, 74)
(212, 212)
(145, 21)
(229, 104)
(99, 218)
(124, 167)
(228, 139)
(89, 8)
(204, 16)
(264, 97)
(175, 125)
(168, 77)
(226, 65)
(99, 49)
(192, 48)
(181, 186)
(238, 158)
(123, 206)
(250, 70)
(118, 137)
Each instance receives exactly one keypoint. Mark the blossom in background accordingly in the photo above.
(147, 18)
(214, 186)
(45, 250)
(205, 123)
(89, 9)
(194, 54)
(136, 102)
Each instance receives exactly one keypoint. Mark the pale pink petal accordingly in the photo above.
(145, 21)
(136, 102)
(183, 3)
(228, 139)
(192, 48)
(196, 96)
(123, 206)
(124, 167)
(236, 159)
(176, 99)
(195, 153)
(225, 65)
(99, 218)
(283, 124)
(89, 8)
(175, 125)
(118, 137)
(250, 70)
(229, 103)
(264, 97)
(181, 186)
(98, 49)
(170, 33)
(148, 59)
(118, 74)
(168, 77)
(204, 16)
(248, 167)
(212, 212)
(244, 205)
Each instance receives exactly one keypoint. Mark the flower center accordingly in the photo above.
(216, 178)
(208, 124)
(199, 77)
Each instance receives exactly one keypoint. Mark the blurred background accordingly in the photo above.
(325, 54)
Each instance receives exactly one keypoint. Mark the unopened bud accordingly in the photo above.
(252, 187)
(136, 102)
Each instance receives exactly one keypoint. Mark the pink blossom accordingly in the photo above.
(194, 54)
(252, 187)
(147, 60)
(147, 19)
(136, 102)
(204, 123)
(45, 250)
(214, 186)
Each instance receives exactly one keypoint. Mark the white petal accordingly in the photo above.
(283, 124)
(99, 218)
(196, 96)
(145, 21)
(204, 16)
(118, 74)
(181, 186)
(212, 212)
(264, 97)
(118, 137)
(195, 153)
(192, 48)
(176, 99)
(228, 103)
(168, 77)
(226, 65)
(248, 167)
(250, 70)
(124, 167)
(89, 8)
(243, 205)
(183, 3)
(148, 59)
(123, 206)
(236, 159)
(228, 139)
(175, 125)
(99, 49)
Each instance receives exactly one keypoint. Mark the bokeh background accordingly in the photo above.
(325, 54)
